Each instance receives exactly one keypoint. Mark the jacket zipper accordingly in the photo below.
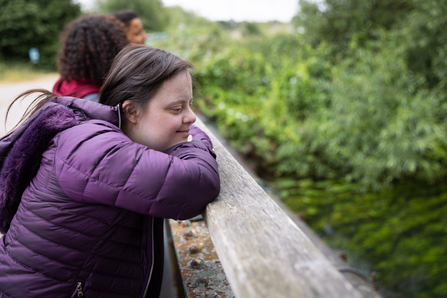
(78, 292)
(152, 265)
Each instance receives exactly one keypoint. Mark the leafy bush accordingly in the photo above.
(193, 38)
(369, 118)
(347, 24)
(25, 24)
(380, 125)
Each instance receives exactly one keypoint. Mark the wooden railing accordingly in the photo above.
(263, 252)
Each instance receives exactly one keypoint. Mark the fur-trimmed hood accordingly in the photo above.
(21, 151)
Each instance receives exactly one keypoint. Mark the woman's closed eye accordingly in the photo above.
(177, 109)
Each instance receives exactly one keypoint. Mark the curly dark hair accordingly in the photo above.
(125, 16)
(89, 45)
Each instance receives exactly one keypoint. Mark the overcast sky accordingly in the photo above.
(237, 10)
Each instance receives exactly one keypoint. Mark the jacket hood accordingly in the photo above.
(21, 151)
(78, 88)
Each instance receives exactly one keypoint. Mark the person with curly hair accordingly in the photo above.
(134, 27)
(89, 45)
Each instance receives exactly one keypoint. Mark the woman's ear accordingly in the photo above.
(130, 111)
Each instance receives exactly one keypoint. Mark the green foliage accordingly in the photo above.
(25, 24)
(421, 39)
(249, 28)
(363, 120)
(369, 118)
(151, 12)
(381, 126)
(416, 29)
(193, 38)
(400, 231)
(175, 16)
(349, 22)
(230, 86)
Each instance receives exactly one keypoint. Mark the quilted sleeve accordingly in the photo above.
(96, 163)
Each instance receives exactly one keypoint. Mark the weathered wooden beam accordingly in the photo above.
(263, 252)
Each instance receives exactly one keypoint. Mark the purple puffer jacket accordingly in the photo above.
(92, 202)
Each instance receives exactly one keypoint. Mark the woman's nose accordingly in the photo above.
(190, 117)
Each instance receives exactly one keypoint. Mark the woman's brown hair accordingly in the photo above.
(138, 72)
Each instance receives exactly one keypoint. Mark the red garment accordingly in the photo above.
(77, 89)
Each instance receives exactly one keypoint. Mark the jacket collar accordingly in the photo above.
(90, 109)
(93, 110)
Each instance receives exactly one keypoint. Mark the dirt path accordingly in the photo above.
(9, 91)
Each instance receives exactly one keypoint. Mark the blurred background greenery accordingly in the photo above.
(342, 111)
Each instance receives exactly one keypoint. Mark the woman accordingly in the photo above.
(84, 186)
(89, 45)
(133, 24)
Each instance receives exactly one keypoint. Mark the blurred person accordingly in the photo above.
(84, 186)
(89, 45)
(133, 24)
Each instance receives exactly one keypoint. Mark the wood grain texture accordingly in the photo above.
(263, 252)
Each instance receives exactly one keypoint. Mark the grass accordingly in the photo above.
(19, 71)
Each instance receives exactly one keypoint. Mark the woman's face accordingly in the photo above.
(135, 32)
(168, 115)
